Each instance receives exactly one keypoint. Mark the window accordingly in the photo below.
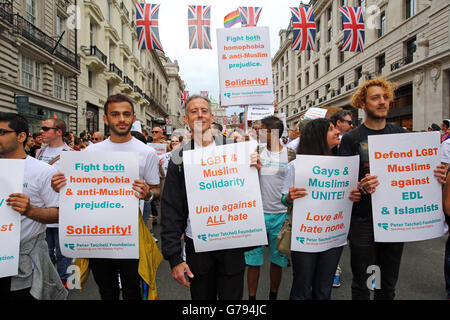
(299, 84)
(358, 73)
(308, 55)
(341, 82)
(318, 44)
(330, 12)
(381, 62)
(307, 78)
(382, 26)
(327, 89)
(411, 46)
(362, 4)
(316, 94)
(58, 85)
(90, 79)
(316, 71)
(30, 11)
(27, 72)
(327, 63)
(341, 56)
(92, 34)
(410, 8)
(108, 16)
(330, 33)
(60, 28)
(37, 74)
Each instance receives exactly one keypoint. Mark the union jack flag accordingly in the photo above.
(199, 20)
(183, 97)
(353, 25)
(249, 16)
(204, 93)
(147, 26)
(304, 28)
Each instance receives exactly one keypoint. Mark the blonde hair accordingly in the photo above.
(359, 97)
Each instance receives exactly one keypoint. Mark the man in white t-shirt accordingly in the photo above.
(120, 116)
(38, 205)
(52, 132)
(274, 161)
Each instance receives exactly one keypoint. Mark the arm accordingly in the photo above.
(446, 197)
(21, 203)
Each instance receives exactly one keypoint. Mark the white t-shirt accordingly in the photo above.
(293, 144)
(148, 160)
(188, 226)
(289, 179)
(37, 186)
(50, 153)
(271, 179)
(445, 151)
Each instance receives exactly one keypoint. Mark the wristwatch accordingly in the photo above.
(151, 198)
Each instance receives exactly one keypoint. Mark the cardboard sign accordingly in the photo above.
(98, 214)
(245, 66)
(407, 205)
(315, 113)
(225, 206)
(321, 220)
(11, 181)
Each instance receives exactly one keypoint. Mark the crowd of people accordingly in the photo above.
(161, 187)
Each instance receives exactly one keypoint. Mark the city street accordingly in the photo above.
(421, 277)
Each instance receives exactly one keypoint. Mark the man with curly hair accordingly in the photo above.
(373, 97)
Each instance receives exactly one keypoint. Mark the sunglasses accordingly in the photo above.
(156, 131)
(48, 128)
(4, 131)
(95, 139)
(348, 121)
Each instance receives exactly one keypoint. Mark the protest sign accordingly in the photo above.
(245, 66)
(225, 206)
(259, 112)
(98, 214)
(315, 113)
(282, 117)
(321, 220)
(407, 205)
(160, 148)
(11, 181)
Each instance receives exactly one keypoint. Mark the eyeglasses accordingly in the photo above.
(4, 131)
(348, 121)
(95, 139)
(156, 131)
(47, 128)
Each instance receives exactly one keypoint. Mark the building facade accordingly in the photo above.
(39, 65)
(175, 87)
(112, 63)
(407, 42)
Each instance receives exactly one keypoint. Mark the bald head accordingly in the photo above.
(97, 137)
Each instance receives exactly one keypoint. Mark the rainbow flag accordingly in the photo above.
(231, 19)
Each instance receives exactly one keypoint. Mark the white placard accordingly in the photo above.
(136, 126)
(245, 66)
(407, 205)
(98, 213)
(11, 181)
(321, 220)
(225, 206)
(160, 148)
(259, 112)
(315, 113)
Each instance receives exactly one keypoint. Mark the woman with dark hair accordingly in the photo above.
(313, 272)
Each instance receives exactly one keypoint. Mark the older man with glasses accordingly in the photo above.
(97, 137)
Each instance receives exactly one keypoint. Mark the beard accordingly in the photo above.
(371, 114)
(121, 133)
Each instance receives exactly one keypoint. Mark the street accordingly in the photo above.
(421, 276)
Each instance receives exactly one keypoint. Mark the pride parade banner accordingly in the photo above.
(321, 219)
(407, 205)
(98, 213)
(225, 206)
(245, 66)
(11, 181)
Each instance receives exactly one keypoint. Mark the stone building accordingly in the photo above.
(407, 41)
(39, 65)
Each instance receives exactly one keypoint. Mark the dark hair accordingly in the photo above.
(272, 122)
(16, 122)
(36, 134)
(139, 136)
(340, 115)
(117, 98)
(218, 126)
(313, 139)
(446, 123)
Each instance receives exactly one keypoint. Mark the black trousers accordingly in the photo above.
(7, 294)
(217, 274)
(106, 274)
(313, 274)
(365, 252)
